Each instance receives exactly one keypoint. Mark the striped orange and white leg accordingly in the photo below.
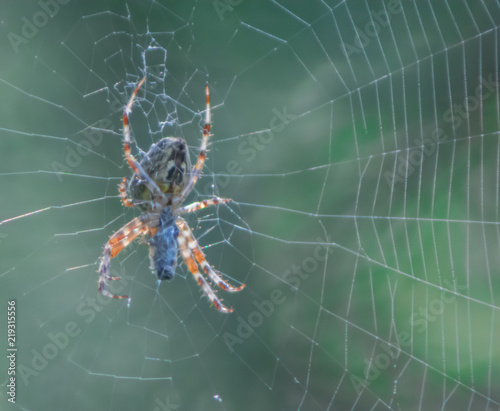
(202, 204)
(198, 167)
(117, 242)
(192, 255)
(132, 162)
(123, 193)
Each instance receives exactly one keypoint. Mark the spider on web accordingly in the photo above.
(160, 183)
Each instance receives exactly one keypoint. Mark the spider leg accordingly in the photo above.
(127, 202)
(123, 193)
(195, 250)
(198, 167)
(190, 253)
(202, 204)
(132, 162)
(117, 242)
(182, 241)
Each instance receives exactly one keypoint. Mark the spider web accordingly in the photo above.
(359, 142)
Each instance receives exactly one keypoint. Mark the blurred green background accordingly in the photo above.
(359, 142)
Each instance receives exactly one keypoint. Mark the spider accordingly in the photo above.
(160, 183)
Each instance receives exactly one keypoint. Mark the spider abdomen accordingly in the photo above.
(163, 246)
(167, 163)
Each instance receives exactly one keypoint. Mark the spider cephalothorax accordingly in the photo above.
(161, 182)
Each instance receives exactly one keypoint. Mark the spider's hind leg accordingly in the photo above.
(192, 253)
(201, 259)
(117, 242)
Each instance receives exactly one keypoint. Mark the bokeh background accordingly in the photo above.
(359, 142)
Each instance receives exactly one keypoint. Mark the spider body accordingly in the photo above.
(161, 182)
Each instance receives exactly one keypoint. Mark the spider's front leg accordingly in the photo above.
(132, 162)
(198, 167)
(117, 242)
